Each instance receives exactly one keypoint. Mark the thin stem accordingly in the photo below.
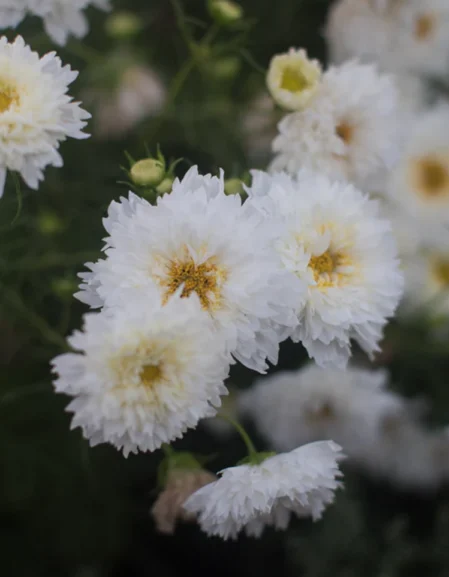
(243, 434)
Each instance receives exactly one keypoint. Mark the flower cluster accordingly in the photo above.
(61, 18)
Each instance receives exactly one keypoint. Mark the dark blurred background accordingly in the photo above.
(67, 510)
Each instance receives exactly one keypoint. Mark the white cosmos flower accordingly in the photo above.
(333, 240)
(351, 129)
(142, 376)
(210, 244)
(355, 29)
(310, 404)
(64, 18)
(419, 183)
(36, 113)
(12, 12)
(250, 497)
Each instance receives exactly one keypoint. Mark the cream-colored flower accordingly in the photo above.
(293, 79)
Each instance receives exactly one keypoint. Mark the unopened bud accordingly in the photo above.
(49, 223)
(64, 287)
(225, 68)
(165, 186)
(224, 11)
(148, 172)
(122, 25)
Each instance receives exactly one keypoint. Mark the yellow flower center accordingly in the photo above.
(205, 279)
(293, 80)
(150, 374)
(441, 272)
(325, 268)
(431, 175)
(345, 131)
(424, 26)
(8, 96)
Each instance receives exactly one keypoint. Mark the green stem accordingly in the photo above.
(252, 451)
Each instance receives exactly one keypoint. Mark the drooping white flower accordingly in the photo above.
(251, 497)
(297, 407)
(355, 29)
(293, 79)
(12, 12)
(350, 130)
(64, 18)
(210, 244)
(142, 376)
(36, 113)
(333, 240)
(419, 183)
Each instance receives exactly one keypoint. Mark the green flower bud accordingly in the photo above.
(64, 287)
(147, 172)
(225, 68)
(49, 223)
(233, 186)
(165, 186)
(123, 25)
(224, 11)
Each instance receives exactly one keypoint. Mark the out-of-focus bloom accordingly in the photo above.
(209, 243)
(219, 425)
(143, 376)
(64, 18)
(259, 126)
(293, 408)
(351, 129)
(250, 497)
(36, 113)
(420, 182)
(180, 485)
(12, 12)
(293, 79)
(333, 240)
(138, 93)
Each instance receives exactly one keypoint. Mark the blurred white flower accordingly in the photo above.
(419, 184)
(293, 79)
(139, 93)
(333, 240)
(351, 129)
(12, 12)
(64, 18)
(250, 497)
(259, 126)
(311, 404)
(36, 113)
(143, 376)
(207, 242)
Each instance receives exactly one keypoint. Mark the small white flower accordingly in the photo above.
(64, 18)
(143, 376)
(12, 12)
(297, 407)
(293, 79)
(349, 131)
(419, 183)
(250, 497)
(332, 239)
(355, 29)
(210, 244)
(36, 113)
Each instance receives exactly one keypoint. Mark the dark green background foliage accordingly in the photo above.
(68, 510)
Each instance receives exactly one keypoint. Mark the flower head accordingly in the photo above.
(293, 79)
(36, 113)
(144, 375)
(333, 240)
(250, 497)
(198, 240)
(12, 12)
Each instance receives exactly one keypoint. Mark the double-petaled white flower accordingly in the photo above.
(332, 239)
(251, 497)
(36, 113)
(210, 244)
(144, 375)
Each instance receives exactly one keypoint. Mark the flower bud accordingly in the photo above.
(148, 172)
(123, 25)
(165, 186)
(233, 186)
(49, 223)
(224, 11)
(180, 485)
